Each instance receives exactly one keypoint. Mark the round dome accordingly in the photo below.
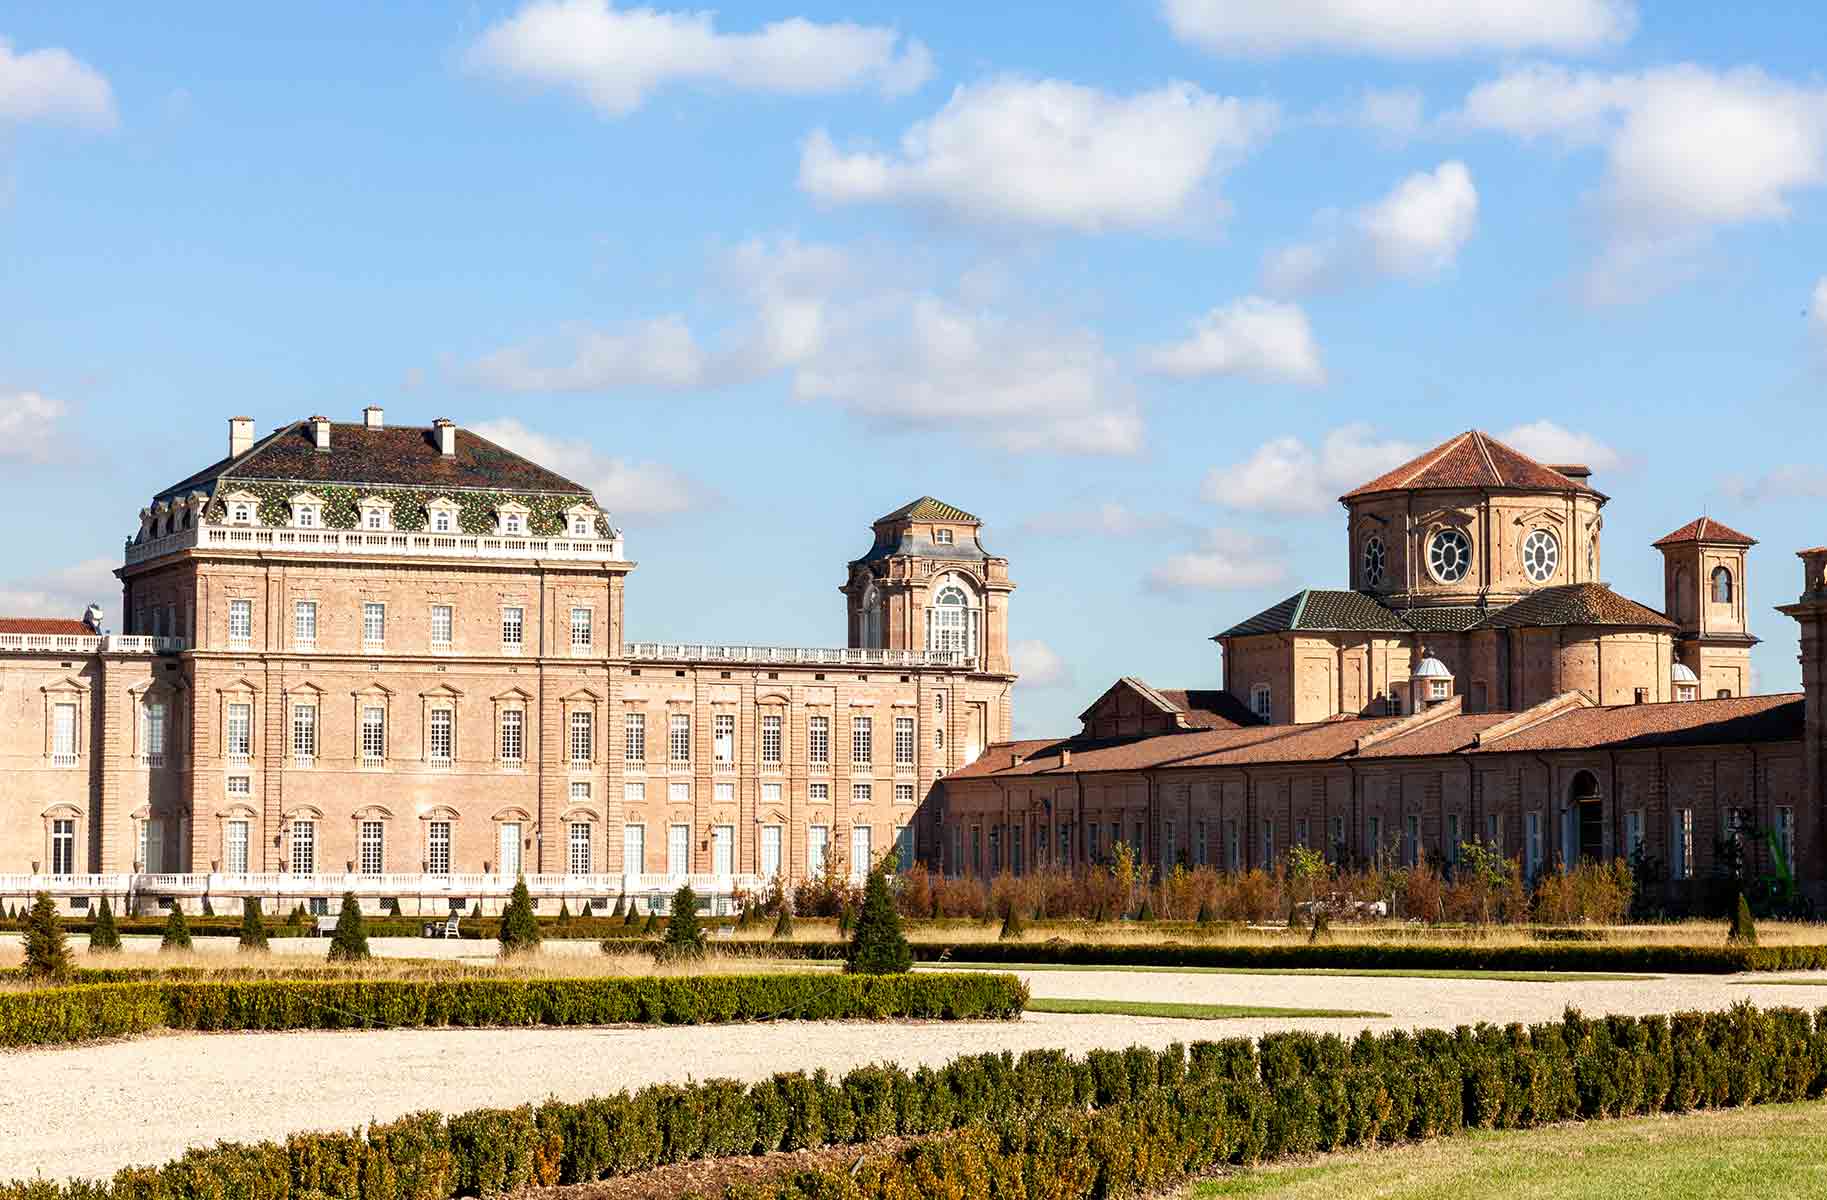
(1681, 673)
(1432, 668)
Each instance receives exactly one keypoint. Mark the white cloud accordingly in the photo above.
(623, 487)
(659, 353)
(53, 85)
(65, 592)
(1397, 112)
(1286, 475)
(1415, 231)
(1039, 665)
(1254, 337)
(1050, 153)
(1229, 560)
(1401, 28)
(1817, 310)
(1106, 520)
(615, 58)
(1549, 443)
(30, 426)
(1791, 481)
(1688, 150)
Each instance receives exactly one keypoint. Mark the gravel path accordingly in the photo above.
(87, 1111)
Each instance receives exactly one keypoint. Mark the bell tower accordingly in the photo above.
(928, 584)
(1703, 565)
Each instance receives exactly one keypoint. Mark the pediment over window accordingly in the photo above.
(69, 685)
(242, 508)
(307, 511)
(511, 518)
(580, 520)
(582, 695)
(773, 817)
(1442, 518)
(775, 697)
(377, 514)
(303, 812)
(511, 813)
(440, 812)
(61, 812)
(372, 812)
(237, 811)
(1541, 516)
(443, 691)
(240, 685)
(577, 813)
(441, 516)
(305, 690)
(513, 693)
(374, 689)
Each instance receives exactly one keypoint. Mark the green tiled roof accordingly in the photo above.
(928, 509)
(1320, 609)
(1576, 604)
(1455, 618)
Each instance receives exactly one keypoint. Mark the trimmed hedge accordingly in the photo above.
(95, 1010)
(1553, 956)
(1044, 1124)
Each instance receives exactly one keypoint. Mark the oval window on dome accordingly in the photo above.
(1449, 556)
(1373, 561)
(1541, 553)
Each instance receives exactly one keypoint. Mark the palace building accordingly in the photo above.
(1478, 681)
(392, 660)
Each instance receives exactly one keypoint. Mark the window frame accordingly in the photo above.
(1462, 556)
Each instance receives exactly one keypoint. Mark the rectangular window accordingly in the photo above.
(1015, 848)
(818, 841)
(678, 793)
(1260, 702)
(508, 864)
(1168, 844)
(1452, 837)
(1091, 832)
(1532, 844)
(1411, 841)
(374, 736)
(1300, 831)
(770, 740)
(723, 739)
(152, 733)
(240, 623)
(513, 737)
(903, 793)
(1268, 843)
(63, 735)
(678, 739)
(63, 846)
(441, 624)
(903, 848)
(1065, 844)
(1785, 835)
(437, 847)
(304, 624)
(239, 738)
(1633, 831)
(678, 849)
(1337, 848)
(723, 850)
(634, 738)
(1199, 848)
(583, 737)
(239, 785)
(818, 793)
(770, 795)
(580, 791)
(1493, 829)
(1233, 848)
(374, 625)
(1681, 844)
(579, 860)
(304, 847)
(861, 855)
(723, 793)
(150, 844)
(861, 793)
(995, 849)
(441, 745)
(862, 741)
(1373, 838)
(818, 741)
(581, 634)
(634, 849)
(304, 733)
(770, 851)
(234, 847)
(373, 861)
(903, 741)
(513, 629)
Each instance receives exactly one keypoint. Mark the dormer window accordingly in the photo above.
(241, 514)
(510, 523)
(377, 516)
(441, 516)
(580, 527)
(243, 508)
(511, 519)
(580, 520)
(942, 537)
(307, 517)
(307, 511)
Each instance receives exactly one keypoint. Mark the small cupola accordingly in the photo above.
(1433, 682)
(1685, 684)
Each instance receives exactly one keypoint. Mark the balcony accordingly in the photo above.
(688, 652)
(63, 759)
(76, 643)
(360, 542)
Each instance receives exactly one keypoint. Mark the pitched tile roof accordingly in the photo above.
(1209, 708)
(1451, 618)
(1441, 737)
(1576, 604)
(1474, 460)
(392, 456)
(55, 625)
(1705, 529)
(928, 509)
(1738, 719)
(1320, 609)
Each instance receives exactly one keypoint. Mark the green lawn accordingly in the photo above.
(1776, 1150)
(1363, 972)
(1188, 1012)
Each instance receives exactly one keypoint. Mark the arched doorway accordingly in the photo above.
(1589, 816)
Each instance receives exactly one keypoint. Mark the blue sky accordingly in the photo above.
(1144, 285)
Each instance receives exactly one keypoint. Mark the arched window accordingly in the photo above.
(1722, 586)
(872, 618)
(952, 621)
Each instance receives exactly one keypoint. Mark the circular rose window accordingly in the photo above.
(1541, 553)
(1373, 562)
(1449, 556)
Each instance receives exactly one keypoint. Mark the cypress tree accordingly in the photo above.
(1743, 931)
(47, 951)
(253, 929)
(1012, 928)
(843, 920)
(879, 947)
(393, 906)
(519, 927)
(350, 941)
(1147, 912)
(936, 910)
(1322, 926)
(783, 924)
(296, 918)
(617, 910)
(652, 924)
(632, 917)
(177, 929)
(684, 938)
(475, 914)
(104, 935)
(1205, 912)
(208, 909)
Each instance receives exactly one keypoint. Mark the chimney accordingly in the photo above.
(240, 436)
(447, 436)
(1065, 757)
(320, 426)
(1016, 758)
(371, 416)
(1578, 472)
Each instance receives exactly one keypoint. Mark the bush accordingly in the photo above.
(879, 947)
(617, 910)
(783, 924)
(684, 938)
(349, 943)
(519, 927)
(1205, 916)
(1147, 911)
(1743, 932)
(253, 927)
(650, 926)
(47, 951)
(104, 935)
(1322, 926)
(177, 930)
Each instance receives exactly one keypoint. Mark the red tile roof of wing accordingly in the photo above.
(1442, 737)
(1733, 720)
(1706, 529)
(57, 625)
(1473, 460)
(1210, 708)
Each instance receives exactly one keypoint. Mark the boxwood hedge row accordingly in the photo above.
(1044, 1124)
(95, 1010)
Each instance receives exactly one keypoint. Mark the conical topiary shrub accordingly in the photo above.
(297, 918)
(652, 924)
(350, 941)
(392, 907)
(879, 947)
(47, 951)
(208, 909)
(1012, 928)
(1322, 926)
(937, 911)
(519, 927)
(1743, 931)
(843, 921)
(1205, 916)
(1147, 912)
(617, 910)
(684, 939)
(564, 916)
(177, 930)
(104, 935)
(633, 915)
(783, 924)
(475, 914)
(253, 928)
